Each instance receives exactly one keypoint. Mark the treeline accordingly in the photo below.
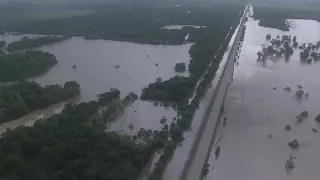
(18, 66)
(2, 46)
(186, 113)
(178, 89)
(24, 97)
(275, 15)
(206, 55)
(138, 22)
(27, 42)
(274, 23)
(74, 146)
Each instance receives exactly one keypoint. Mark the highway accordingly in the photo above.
(203, 149)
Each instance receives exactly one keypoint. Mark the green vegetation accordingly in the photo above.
(187, 112)
(64, 147)
(268, 37)
(274, 23)
(24, 97)
(180, 67)
(55, 14)
(115, 106)
(163, 161)
(138, 21)
(202, 54)
(74, 145)
(27, 43)
(175, 89)
(27, 11)
(18, 66)
(284, 47)
(2, 44)
(105, 98)
(274, 14)
(2, 52)
(179, 89)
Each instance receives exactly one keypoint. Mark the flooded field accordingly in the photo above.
(254, 143)
(102, 65)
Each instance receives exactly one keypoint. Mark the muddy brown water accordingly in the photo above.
(96, 72)
(181, 155)
(254, 110)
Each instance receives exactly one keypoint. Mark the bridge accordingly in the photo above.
(203, 147)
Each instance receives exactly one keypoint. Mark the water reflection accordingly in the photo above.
(255, 110)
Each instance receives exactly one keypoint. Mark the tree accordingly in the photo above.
(268, 36)
(259, 54)
(180, 67)
(159, 79)
(2, 44)
(176, 134)
(19, 99)
(71, 85)
(64, 147)
(18, 66)
(107, 97)
(173, 90)
(270, 50)
(294, 39)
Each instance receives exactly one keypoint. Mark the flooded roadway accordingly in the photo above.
(182, 154)
(254, 110)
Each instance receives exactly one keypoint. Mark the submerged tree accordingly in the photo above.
(180, 67)
(290, 164)
(268, 36)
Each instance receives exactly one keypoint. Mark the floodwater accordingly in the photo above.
(254, 111)
(96, 72)
(31, 118)
(176, 166)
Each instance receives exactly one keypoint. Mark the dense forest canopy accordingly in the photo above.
(18, 66)
(66, 148)
(74, 146)
(136, 21)
(24, 97)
